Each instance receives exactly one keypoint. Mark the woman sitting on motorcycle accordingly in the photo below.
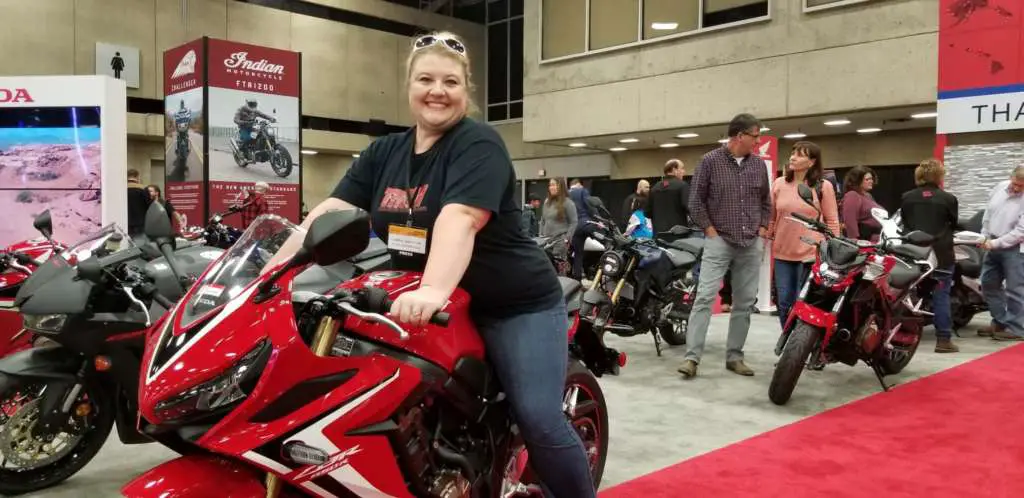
(463, 229)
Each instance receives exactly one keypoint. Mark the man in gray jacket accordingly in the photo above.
(245, 118)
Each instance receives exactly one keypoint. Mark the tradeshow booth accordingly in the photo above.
(63, 147)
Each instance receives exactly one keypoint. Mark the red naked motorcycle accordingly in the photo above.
(317, 392)
(17, 263)
(853, 306)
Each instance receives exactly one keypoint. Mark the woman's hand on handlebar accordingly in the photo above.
(418, 306)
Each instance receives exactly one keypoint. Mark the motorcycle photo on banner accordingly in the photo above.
(184, 125)
(254, 131)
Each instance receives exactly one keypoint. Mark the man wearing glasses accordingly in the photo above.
(731, 201)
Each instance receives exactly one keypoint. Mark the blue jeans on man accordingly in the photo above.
(1006, 306)
(789, 279)
(941, 308)
(244, 135)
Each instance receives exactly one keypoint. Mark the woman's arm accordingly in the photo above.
(571, 217)
(829, 207)
(851, 211)
(773, 221)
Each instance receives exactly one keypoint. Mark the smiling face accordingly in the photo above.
(553, 188)
(438, 90)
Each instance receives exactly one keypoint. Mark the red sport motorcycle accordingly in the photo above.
(17, 263)
(319, 393)
(853, 306)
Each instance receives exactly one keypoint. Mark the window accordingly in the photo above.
(814, 5)
(504, 59)
(575, 27)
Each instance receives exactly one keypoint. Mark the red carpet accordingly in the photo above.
(958, 433)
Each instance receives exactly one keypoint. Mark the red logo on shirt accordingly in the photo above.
(926, 194)
(396, 199)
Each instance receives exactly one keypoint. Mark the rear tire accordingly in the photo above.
(587, 421)
(792, 361)
(958, 307)
(896, 361)
(674, 334)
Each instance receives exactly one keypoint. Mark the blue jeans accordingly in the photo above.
(940, 303)
(244, 135)
(789, 278)
(1007, 307)
(530, 354)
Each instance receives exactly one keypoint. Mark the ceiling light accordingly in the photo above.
(924, 115)
(356, 155)
(869, 130)
(765, 129)
(724, 141)
(668, 145)
(577, 144)
(837, 122)
(309, 152)
(629, 140)
(793, 136)
(664, 26)
(617, 149)
(687, 135)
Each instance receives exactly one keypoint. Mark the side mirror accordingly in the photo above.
(158, 223)
(44, 224)
(337, 235)
(919, 238)
(91, 270)
(805, 193)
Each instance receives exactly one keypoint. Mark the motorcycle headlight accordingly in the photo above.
(253, 134)
(220, 392)
(611, 264)
(828, 275)
(44, 323)
(270, 132)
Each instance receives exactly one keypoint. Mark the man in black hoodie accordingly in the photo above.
(668, 200)
(138, 203)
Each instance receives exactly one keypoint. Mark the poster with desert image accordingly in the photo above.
(50, 159)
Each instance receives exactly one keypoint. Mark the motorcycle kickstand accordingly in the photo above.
(878, 374)
(657, 341)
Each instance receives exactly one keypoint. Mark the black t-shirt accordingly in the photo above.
(935, 212)
(508, 273)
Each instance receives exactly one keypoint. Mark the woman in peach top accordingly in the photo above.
(793, 257)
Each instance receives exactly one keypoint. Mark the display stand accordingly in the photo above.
(63, 147)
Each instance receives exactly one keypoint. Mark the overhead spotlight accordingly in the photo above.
(309, 152)
(668, 145)
(924, 115)
(629, 140)
(617, 149)
(837, 122)
(765, 129)
(869, 130)
(577, 144)
(794, 136)
(687, 135)
(664, 26)
(356, 155)
(724, 141)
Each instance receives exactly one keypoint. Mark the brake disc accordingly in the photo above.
(25, 451)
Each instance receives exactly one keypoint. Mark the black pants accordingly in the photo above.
(579, 240)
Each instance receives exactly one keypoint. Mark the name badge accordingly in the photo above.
(407, 239)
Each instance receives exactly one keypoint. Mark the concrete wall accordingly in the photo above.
(872, 55)
(349, 72)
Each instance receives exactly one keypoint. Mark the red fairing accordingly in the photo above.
(443, 346)
(197, 476)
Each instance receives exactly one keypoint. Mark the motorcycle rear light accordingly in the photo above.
(622, 360)
(306, 455)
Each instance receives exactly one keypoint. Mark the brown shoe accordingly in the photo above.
(987, 330)
(946, 346)
(688, 369)
(739, 367)
(1003, 335)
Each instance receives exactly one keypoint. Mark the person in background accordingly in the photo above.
(1003, 224)
(579, 195)
(530, 218)
(669, 199)
(639, 225)
(793, 256)
(558, 217)
(155, 195)
(255, 204)
(472, 240)
(934, 211)
(731, 201)
(643, 188)
(138, 203)
(858, 203)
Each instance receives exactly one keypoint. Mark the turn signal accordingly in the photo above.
(622, 360)
(103, 363)
(83, 410)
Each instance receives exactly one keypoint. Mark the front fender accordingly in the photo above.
(49, 362)
(197, 476)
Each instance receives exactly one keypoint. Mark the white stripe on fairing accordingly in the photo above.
(279, 468)
(314, 436)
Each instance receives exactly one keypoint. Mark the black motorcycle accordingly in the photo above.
(263, 147)
(642, 285)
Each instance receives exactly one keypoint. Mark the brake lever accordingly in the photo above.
(128, 291)
(374, 317)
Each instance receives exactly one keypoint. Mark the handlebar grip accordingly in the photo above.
(377, 301)
(163, 301)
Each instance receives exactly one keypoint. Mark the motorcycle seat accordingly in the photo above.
(693, 246)
(912, 251)
(679, 258)
(904, 274)
(570, 292)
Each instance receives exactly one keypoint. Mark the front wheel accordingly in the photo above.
(31, 462)
(281, 161)
(898, 358)
(792, 361)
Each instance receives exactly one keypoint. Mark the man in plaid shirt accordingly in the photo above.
(255, 204)
(731, 200)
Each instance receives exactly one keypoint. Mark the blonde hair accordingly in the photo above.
(442, 50)
(929, 171)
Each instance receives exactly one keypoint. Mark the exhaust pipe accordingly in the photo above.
(844, 335)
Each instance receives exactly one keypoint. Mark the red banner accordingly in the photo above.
(183, 67)
(187, 199)
(251, 68)
(280, 200)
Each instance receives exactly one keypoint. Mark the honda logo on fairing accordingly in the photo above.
(240, 60)
(8, 95)
(336, 462)
(187, 65)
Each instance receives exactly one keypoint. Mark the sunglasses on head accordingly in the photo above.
(450, 43)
